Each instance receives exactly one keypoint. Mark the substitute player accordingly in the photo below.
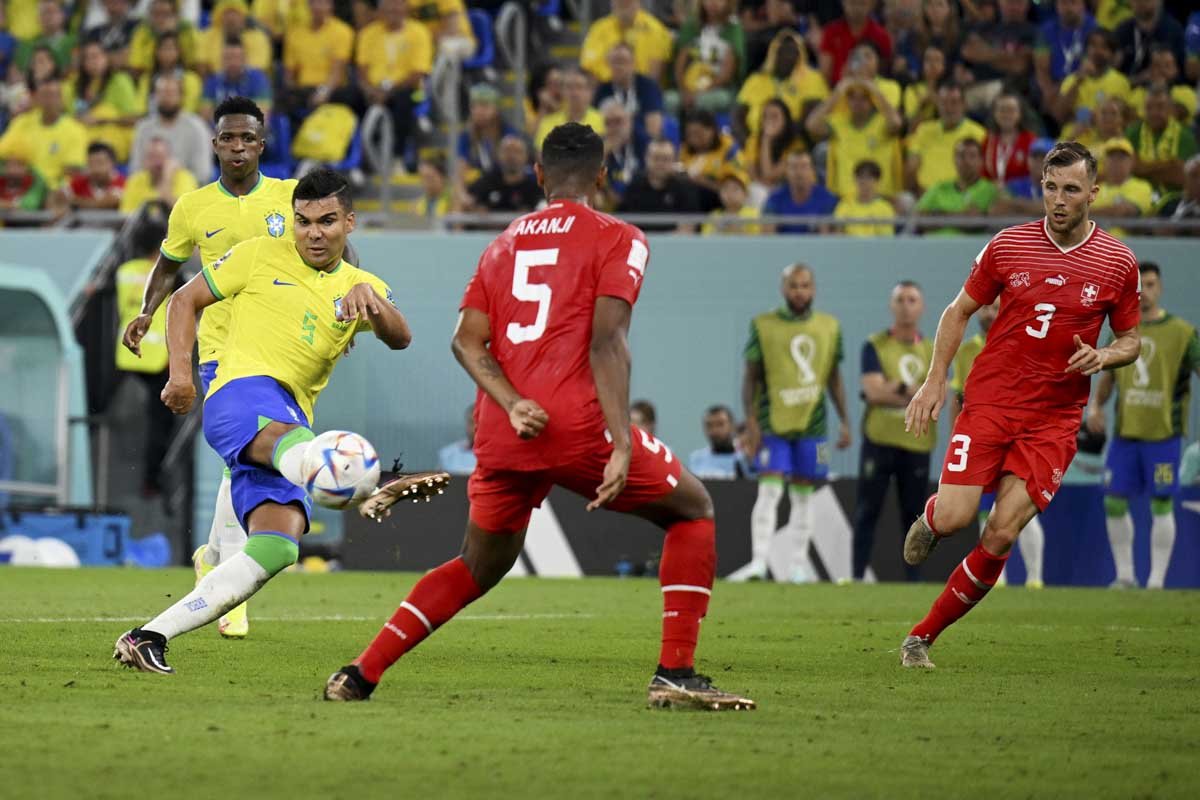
(1057, 279)
(1032, 539)
(296, 308)
(542, 332)
(792, 360)
(240, 205)
(1152, 408)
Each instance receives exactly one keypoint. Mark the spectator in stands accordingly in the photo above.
(866, 204)
(967, 194)
(167, 61)
(577, 107)
(637, 93)
(447, 20)
(394, 56)
(801, 194)
(766, 154)
(1095, 81)
(629, 23)
(235, 79)
(100, 186)
(864, 65)
(1165, 70)
(104, 99)
(190, 138)
(642, 414)
(1149, 26)
(458, 458)
(785, 75)
(315, 58)
(1107, 122)
(1121, 193)
(623, 149)
(1185, 205)
(54, 35)
(52, 141)
(544, 95)
(1160, 141)
(920, 97)
(437, 199)
(277, 17)
(230, 20)
(734, 191)
(1023, 196)
(1062, 40)
(762, 24)
(1006, 146)
(161, 19)
(866, 129)
(710, 56)
(720, 460)
(660, 189)
(1191, 38)
(902, 21)
(8, 44)
(705, 153)
(995, 53)
(21, 187)
(480, 138)
(116, 32)
(845, 33)
(932, 146)
(160, 178)
(942, 28)
(510, 185)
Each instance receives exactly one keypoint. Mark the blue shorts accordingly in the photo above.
(1135, 467)
(208, 374)
(986, 501)
(799, 459)
(233, 416)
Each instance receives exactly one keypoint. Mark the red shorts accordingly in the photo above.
(989, 442)
(502, 500)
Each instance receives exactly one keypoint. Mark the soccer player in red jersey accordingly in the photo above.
(1057, 279)
(542, 331)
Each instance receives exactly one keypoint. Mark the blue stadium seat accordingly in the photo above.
(277, 160)
(354, 154)
(550, 8)
(670, 129)
(485, 38)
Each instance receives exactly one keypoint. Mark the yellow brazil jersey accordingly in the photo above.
(1182, 96)
(592, 118)
(53, 150)
(387, 55)
(935, 146)
(851, 208)
(140, 188)
(310, 54)
(964, 359)
(1135, 191)
(255, 44)
(805, 87)
(650, 39)
(283, 321)
(1094, 91)
(718, 224)
(851, 145)
(214, 220)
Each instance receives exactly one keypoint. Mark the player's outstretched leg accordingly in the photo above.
(225, 540)
(1162, 540)
(1120, 539)
(762, 528)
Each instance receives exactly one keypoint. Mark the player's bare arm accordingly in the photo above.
(183, 312)
(1089, 360)
(470, 346)
(611, 361)
(1096, 421)
(927, 403)
(837, 393)
(753, 382)
(387, 323)
(158, 286)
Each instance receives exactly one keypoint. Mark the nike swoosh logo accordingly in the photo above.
(282, 283)
(210, 234)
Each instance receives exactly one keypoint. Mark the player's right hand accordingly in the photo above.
(925, 405)
(1096, 423)
(179, 395)
(616, 471)
(135, 331)
(527, 418)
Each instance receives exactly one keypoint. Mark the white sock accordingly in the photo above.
(220, 590)
(1162, 541)
(290, 461)
(799, 526)
(225, 530)
(762, 518)
(1120, 537)
(1032, 542)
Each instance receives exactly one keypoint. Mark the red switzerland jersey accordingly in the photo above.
(538, 283)
(1047, 296)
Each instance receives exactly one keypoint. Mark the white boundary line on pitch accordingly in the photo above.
(320, 618)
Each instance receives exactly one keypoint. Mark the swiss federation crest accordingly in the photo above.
(1089, 294)
(276, 224)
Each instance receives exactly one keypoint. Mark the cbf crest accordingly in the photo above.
(276, 224)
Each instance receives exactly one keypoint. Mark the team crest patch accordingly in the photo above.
(276, 224)
(1089, 294)
(1018, 279)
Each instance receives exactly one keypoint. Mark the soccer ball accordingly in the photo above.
(341, 469)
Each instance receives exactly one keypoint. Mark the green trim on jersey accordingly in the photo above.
(908, 363)
(798, 353)
(1153, 393)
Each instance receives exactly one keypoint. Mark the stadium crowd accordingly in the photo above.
(852, 110)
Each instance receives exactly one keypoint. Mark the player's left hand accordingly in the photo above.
(925, 405)
(360, 302)
(843, 440)
(615, 473)
(1086, 359)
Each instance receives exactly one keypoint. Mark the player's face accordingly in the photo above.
(1151, 291)
(908, 304)
(798, 289)
(1067, 192)
(321, 230)
(987, 315)
(238, 144)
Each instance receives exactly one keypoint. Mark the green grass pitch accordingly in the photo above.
(539, 691)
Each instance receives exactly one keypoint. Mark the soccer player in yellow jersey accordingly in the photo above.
(296, 307)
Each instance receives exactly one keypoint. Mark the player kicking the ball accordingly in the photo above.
(298, 306)
(542, 331)
(1057, 279)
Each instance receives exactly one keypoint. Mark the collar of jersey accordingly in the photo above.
(228, 193)
(791, 316)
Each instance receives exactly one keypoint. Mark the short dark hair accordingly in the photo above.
(572, 152)
(324, 182)
(149, 233)
(907, 283)
(868, 168)
(102, 147)
(719, 409)
(1150, 266)
(233, 41)
(1064, 154)
(701, 116)
(437, 160)
(968, 142)
(646, 408)
(236, 104)
(1108, 37)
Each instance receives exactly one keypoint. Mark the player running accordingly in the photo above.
(792, 360)
(1032, 539)
(1057, 279)
(1152, 407)
(542, 331)
(296, 305)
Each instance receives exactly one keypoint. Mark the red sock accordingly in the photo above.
(689, 562)
(436, 598)
(929, 504)
(968, 584)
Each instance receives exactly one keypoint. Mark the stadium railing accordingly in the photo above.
(512, 35)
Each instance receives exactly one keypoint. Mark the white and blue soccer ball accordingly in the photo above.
(341, 469)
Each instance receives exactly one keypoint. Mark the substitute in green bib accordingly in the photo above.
(792, 361)
(1153, 394)
(894, 364)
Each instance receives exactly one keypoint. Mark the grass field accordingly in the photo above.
(539, 691)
